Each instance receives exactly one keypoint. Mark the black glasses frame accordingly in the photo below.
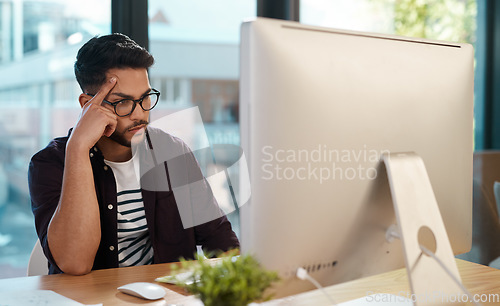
(138, 101)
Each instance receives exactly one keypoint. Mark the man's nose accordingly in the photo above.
(138, 112)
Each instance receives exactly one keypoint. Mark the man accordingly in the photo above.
(90, 210)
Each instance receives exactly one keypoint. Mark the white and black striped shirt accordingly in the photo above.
(134, 243)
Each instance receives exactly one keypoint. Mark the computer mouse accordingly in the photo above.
(148, 291)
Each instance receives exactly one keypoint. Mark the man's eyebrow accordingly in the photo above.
(126, 96)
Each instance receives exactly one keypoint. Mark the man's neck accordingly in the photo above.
(113, 151)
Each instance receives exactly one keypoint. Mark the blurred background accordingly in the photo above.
(196, 47)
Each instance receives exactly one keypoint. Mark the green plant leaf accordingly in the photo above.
(232, 280)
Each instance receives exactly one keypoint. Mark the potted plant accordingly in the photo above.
(230, 280)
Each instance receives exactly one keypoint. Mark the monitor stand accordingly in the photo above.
(420, 223)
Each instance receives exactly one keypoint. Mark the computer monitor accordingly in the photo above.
(318, 107)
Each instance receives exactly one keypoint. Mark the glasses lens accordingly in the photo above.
(150, 101)
(124, 107)
(146, 102)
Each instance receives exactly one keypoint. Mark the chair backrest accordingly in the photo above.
(37, 264)
(486, 173)
(485, 220)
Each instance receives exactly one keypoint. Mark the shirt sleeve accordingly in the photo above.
(45, 174)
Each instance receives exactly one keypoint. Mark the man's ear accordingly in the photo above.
(83, 99)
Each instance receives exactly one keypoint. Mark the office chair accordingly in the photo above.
(486, 226)
(37, 264)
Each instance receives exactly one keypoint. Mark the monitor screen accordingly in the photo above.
(318, 107)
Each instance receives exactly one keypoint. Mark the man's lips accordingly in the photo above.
(136, 128)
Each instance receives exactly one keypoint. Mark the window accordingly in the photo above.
(358, 15)
(450, 20)
(39, 40)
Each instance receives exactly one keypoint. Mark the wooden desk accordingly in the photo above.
(478, 279)
(100, 286)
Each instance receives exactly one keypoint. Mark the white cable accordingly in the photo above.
(303, 275)
(392, 233)
(445, 268)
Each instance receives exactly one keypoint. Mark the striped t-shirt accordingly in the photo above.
(134, 244)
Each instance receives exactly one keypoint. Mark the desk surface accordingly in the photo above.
(100, 286)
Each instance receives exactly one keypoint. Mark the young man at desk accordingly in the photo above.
(90, 210)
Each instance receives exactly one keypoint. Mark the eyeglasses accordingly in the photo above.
(125, 107)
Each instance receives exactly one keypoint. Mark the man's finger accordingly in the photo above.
(110, 128)
(104, 91)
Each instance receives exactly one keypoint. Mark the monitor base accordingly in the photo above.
(420, 223)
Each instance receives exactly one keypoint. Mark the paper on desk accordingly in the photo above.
(382, 299)
(35, 298)
(376, 300)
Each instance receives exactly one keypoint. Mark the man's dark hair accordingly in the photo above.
(100, 54)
